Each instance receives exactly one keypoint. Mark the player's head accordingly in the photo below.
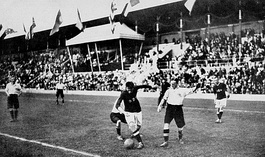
(221, 80)
(174, 83)
(12, 79)
(129, 86)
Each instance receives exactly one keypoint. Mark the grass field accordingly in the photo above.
(82, 127)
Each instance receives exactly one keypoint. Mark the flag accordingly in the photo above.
(113, 10)
(79, 23)
(134, 2)
(10, 31)
(6, 32)
(58, 22)
(189, 5)
(26, 33)
(129, 8)
(31, 33)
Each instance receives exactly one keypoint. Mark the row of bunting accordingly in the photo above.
(115, 9)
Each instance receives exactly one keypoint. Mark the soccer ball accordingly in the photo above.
(129, 143)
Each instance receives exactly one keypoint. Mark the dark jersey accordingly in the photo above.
(131, 103)
(220, 90)
(164, 87)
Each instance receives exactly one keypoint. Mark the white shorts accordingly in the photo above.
(220, 103)
(133, 119)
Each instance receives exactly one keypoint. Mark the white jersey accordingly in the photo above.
(60, 86)
(176, 96)
(13, 88)
(114, 109)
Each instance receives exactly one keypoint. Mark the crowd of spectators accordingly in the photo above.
(204, 61)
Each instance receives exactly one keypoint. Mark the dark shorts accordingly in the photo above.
(12, 101)
(59, 92)
(117, 116)
(175, 112)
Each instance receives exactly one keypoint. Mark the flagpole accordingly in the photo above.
(240, 25)
(181, 30)
(122, 68)
(70, 57)
(208, 25)
(96, 49)
(157, 33)
(90, 59)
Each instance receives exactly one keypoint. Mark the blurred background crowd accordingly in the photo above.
(203, 61)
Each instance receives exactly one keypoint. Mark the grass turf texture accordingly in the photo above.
(83, 124)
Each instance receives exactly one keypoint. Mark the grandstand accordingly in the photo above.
(160, 39)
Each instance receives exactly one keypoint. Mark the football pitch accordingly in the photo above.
(82, 127)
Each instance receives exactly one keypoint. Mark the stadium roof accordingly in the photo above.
(104, 33)
(13, 13)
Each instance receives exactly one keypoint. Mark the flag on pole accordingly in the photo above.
(79, 23)
(6, 32)
(128, 9)
(26, 33)
(31, 33)
(58, 22)
(134, 2)
(189, 5)
(113, 12)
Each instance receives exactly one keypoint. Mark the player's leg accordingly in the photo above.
(137, 135)
(62, 96)
(132, 120)
(16, 106)
(57, 97)
(115, 119)
(10, 107)
(11, 111)
(168, 118)
(218, 106)
(180, 122)
(221, 109)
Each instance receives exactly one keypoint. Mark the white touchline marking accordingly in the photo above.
(246, 111)
(49, 145)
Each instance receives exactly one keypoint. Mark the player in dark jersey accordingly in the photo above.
(132, 110)
(221, 93)
(164, 87)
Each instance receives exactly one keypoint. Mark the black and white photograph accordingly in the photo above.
(132, 78)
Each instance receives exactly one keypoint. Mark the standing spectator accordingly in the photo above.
(221, 93)
(13, 91)
(174, 97)
(132, 109)
(59, 91)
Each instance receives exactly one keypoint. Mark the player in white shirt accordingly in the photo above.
(174, 98)
(60, 86)
(13, 91)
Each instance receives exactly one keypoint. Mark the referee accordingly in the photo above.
(13, 91)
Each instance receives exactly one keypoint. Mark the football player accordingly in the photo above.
(132, 110)
(59, 91)
(174, 98)
(117, 118)
(13, 91)
(221, 93)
